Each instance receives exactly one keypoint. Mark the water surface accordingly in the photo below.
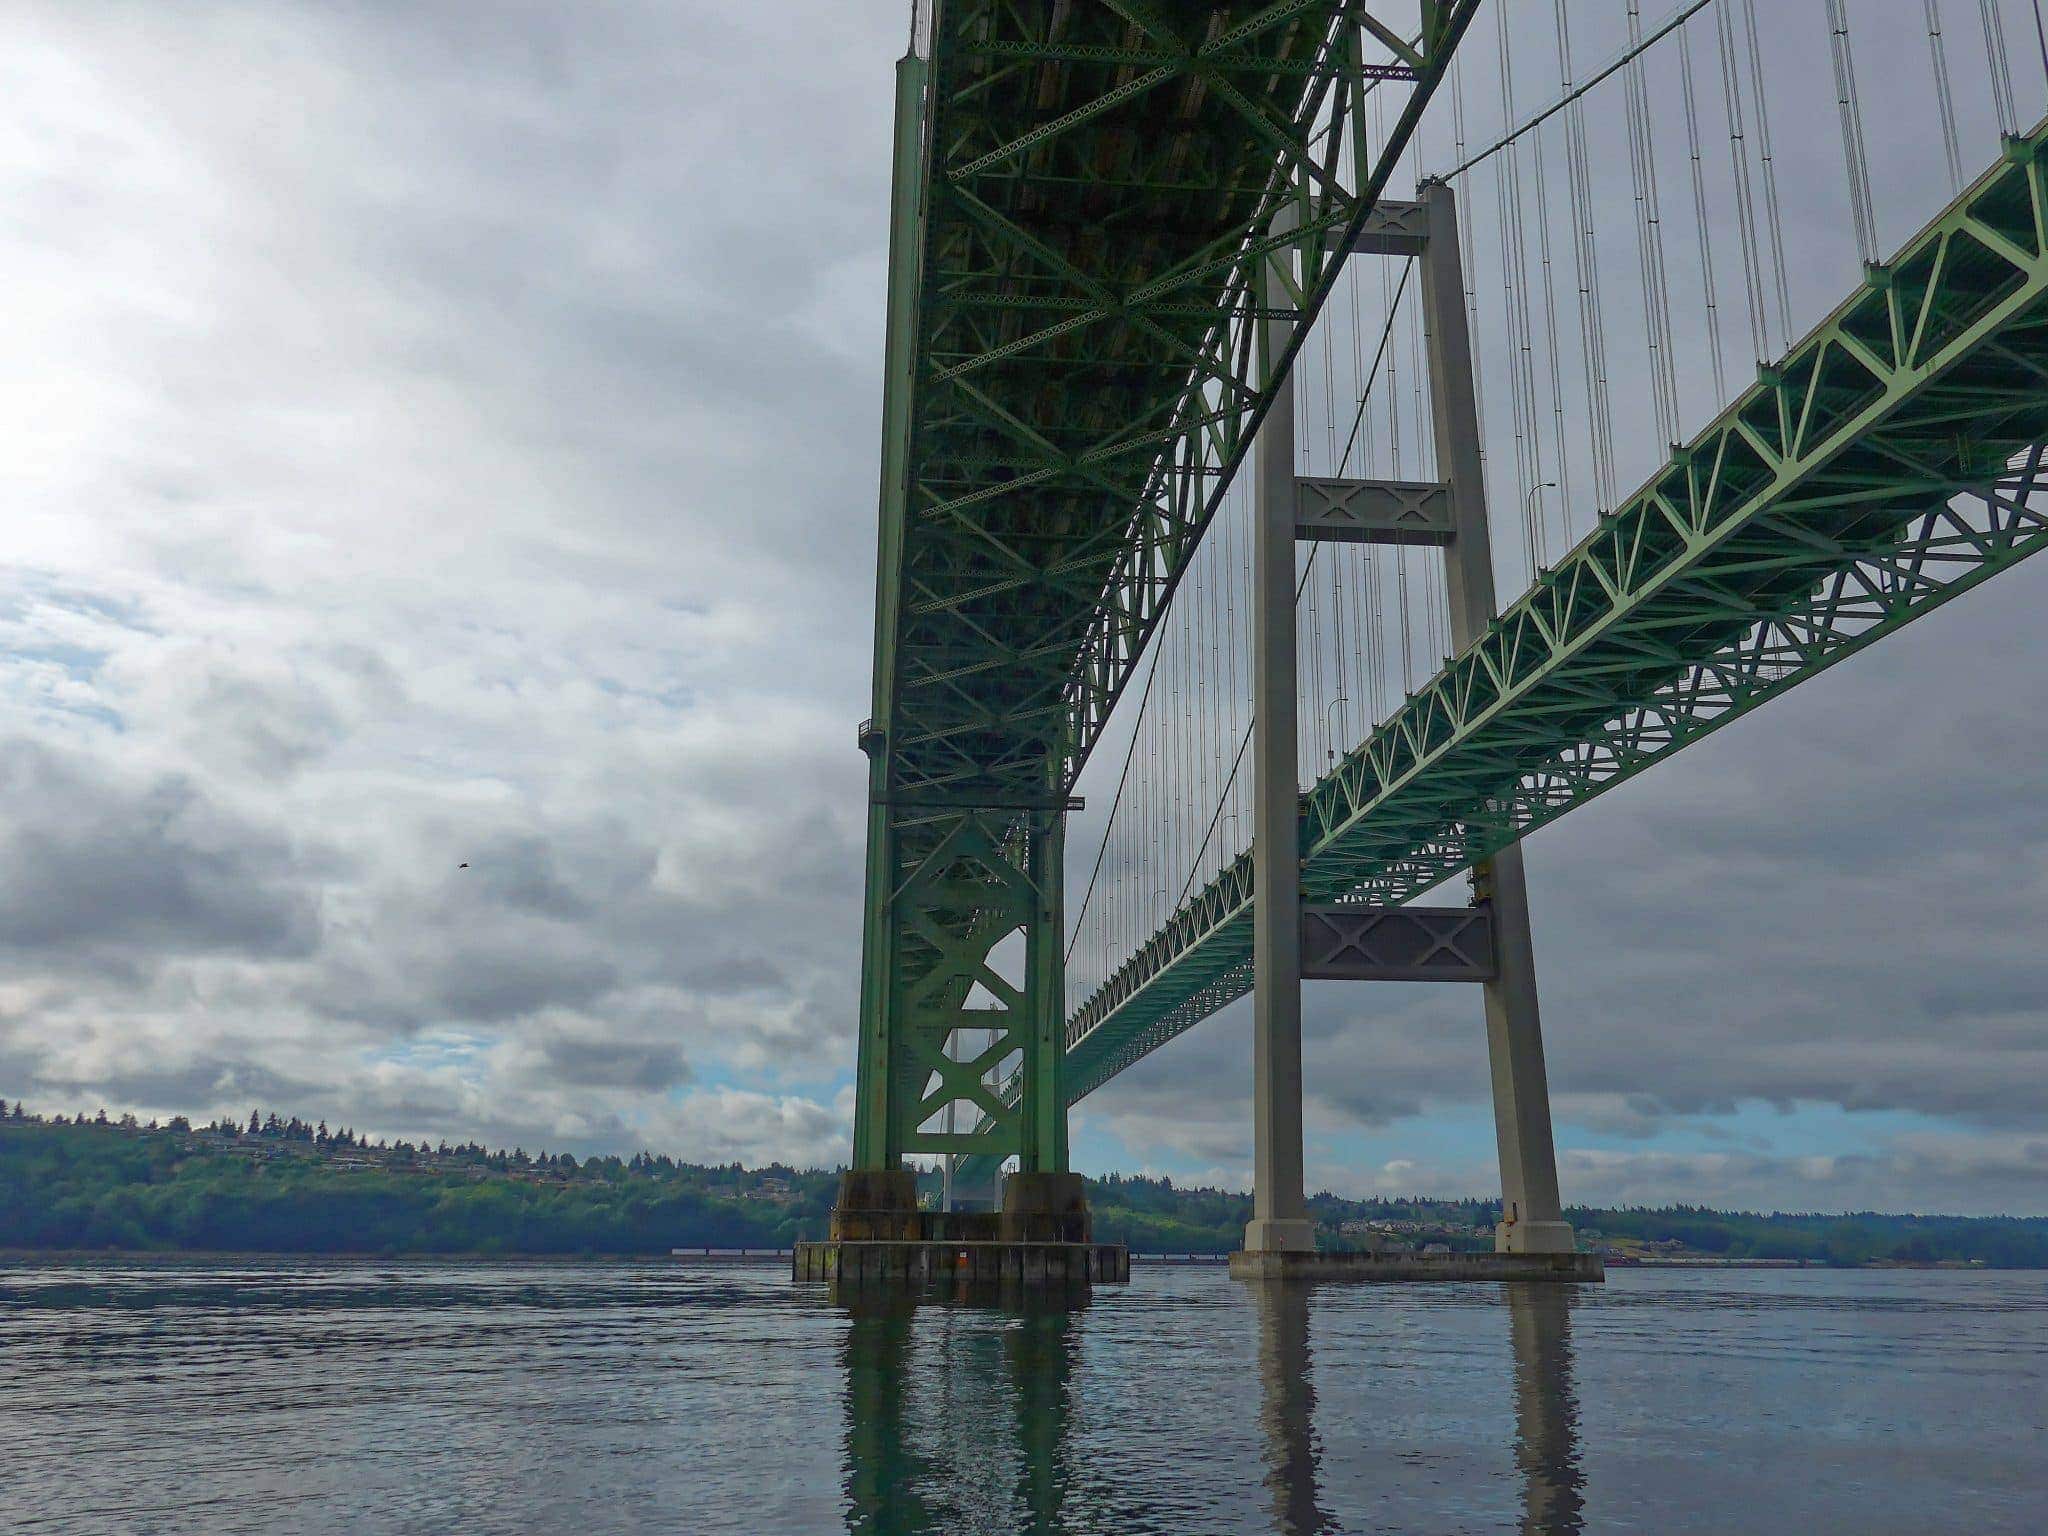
(273, 1395)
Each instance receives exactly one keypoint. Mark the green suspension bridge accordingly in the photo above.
(1136, 246)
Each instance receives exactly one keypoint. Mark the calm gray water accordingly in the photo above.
(433, 1397)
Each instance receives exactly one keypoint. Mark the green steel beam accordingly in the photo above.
(1887, 464)
(1083, 194)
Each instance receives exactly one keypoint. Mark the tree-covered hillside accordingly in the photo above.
(282, 1186)
(286, 1187)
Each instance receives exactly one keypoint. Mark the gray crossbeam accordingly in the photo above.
(1373, 511)
(1347, 943)
(1391, 229)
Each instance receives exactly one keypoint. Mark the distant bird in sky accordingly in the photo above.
(462, 866)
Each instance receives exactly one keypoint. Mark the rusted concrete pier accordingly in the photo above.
(1041, 1240)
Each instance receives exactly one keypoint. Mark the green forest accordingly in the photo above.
(282, 1186)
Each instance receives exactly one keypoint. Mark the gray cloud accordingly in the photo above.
(479, 487)
(99, 866)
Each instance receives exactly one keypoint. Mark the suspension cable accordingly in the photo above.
(1854, 156)
(1944, 102)
(2000, 65)
(1627, 57)
(1514, 287)
(1586, 270)
(1700, 218)
(1650, 238)
(1745, 204)
(1301, 585)
(1123, 779)
(1770, 169)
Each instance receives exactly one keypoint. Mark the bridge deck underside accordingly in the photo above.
(1059, 174)
(1886, 464)
(1086, 195)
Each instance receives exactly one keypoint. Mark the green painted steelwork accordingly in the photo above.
(1084, 193)
(1888, 463)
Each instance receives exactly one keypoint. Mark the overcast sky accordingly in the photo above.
(444, 433)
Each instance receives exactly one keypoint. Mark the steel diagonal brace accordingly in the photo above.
(1086, 112)
(1104, 304)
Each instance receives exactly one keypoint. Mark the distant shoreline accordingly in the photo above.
(353, 1255)
(103, 1191)
(196, 1256)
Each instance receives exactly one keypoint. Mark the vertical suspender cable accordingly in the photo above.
(1182, 720)
(1197, 723)
(1650, 236)
(1229, 679)
(1122, 783)
(1312, 727)
(1148, 804)
(1700, 218)
(1556, 357)
(1339, 727)
(1586, 270)
(1425, 441)
(1745, 204)
(1466, 263)
(1944, 102)
(1357, 337)
(1390, 299)
(1330, 394)
(1851, 114)
(1515, 305)
(2001, 66)
(1770, 169)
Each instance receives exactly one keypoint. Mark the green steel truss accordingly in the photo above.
(1887, 464)
(1085, 191)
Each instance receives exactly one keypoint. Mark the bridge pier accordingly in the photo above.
(884, 1243)
(1533, 1240)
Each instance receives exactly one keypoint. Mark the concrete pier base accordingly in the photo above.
(1533, 1237)
(1353, 1268)
(1285, 1236)
(927, 1266)
(1042, 1240)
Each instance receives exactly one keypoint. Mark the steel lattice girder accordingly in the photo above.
(1098, 185)
(1082, 204)
(1889, 463)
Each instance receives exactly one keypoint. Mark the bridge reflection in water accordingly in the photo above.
(953, 1425)
(960, 1419)
(1546, 1409)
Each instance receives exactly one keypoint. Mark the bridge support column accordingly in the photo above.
(1532, 1217)
(1279, 1221)
(958, 867)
